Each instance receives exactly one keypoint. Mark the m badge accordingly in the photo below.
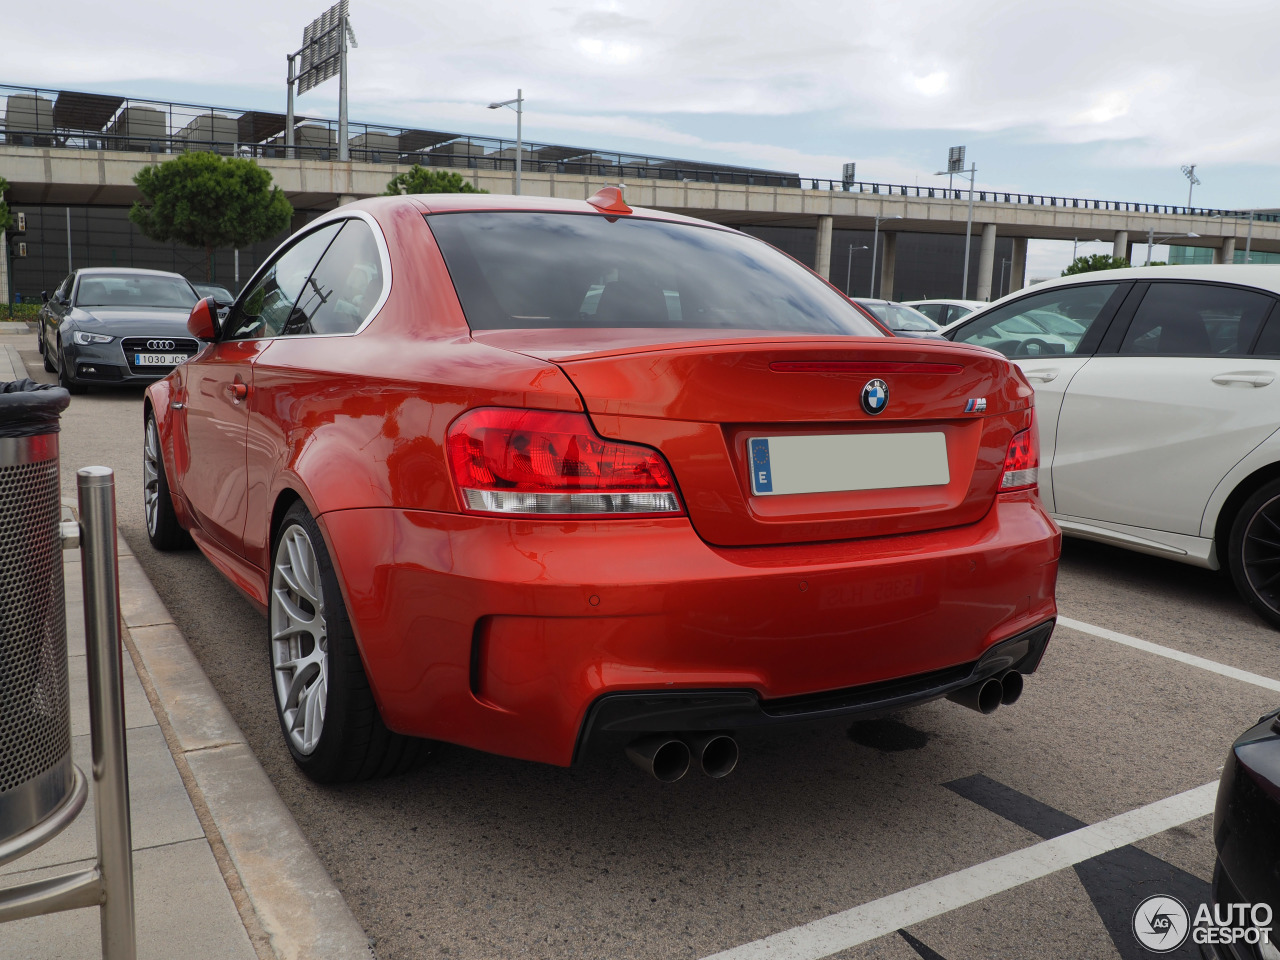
(976, 405)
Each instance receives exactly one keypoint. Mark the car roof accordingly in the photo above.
(1263, 276)
(126, 271)
(952, 301)
(459, 202)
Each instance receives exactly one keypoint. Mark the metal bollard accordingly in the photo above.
(108, 885)
(100, 574)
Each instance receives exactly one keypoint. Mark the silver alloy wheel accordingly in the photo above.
(299, 641)
(151, 475)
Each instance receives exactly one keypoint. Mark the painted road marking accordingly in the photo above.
(1257, 679)
(840, 931)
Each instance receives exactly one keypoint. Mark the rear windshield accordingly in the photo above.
(544, 270)
(133, 290)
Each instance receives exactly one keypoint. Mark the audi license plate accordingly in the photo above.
(158, 359)
(876, 461)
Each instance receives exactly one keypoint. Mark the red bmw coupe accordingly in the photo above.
(534, 475)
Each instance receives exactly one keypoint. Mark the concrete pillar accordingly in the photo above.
(345, 198)
(822, 257)
(1227, 254)
(889, 259)
(1120, 246)
(1018, 269)
(986, 261)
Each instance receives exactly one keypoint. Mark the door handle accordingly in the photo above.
(1040, 376)
(239, 391)
(1245, 379)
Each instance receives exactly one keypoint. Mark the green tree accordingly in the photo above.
(1099, 261)
(6, 220)
(420, 179)
(207, 201)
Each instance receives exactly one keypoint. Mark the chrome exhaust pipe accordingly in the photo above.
(663, 757)
(716, 753)
(1010, 687)
(983, 696)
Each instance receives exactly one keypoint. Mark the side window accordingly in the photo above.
(1269, 342)
(1195, 319)
(264, 309)
(934, 311)
(1043, 324)
(343, 287)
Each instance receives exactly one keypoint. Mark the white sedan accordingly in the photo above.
(1158, 410)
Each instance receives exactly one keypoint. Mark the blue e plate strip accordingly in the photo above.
(761, 474)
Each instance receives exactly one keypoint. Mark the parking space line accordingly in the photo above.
(1257, 679)
(840, 931)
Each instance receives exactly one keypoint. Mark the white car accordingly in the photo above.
(1158, 410)
(946, 312)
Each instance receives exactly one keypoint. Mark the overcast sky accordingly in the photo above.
(1093, 99)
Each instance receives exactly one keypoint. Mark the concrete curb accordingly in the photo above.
(295, 903)
(11, 365)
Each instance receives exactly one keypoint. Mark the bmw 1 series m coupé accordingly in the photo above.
(533, 475)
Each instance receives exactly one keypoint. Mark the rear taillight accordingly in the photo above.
(554, 464)
(1022, 462)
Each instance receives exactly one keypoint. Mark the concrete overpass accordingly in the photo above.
(73, 177)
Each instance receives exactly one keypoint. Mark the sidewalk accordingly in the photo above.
(222, 871)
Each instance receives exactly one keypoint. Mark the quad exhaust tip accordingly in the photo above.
(668, 758)
(986, 695)
(663, 758)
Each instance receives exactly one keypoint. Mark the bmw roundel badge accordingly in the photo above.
(875, 396)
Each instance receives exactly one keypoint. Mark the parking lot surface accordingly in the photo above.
(938, 832)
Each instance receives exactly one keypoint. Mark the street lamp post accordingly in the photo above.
(875, 248)
(848, 269)
(519, 109)
(1152, 240)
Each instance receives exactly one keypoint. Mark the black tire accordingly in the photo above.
(1253, 552)
(316, 667)
(163, 529)
(44, 354)
(64, 377)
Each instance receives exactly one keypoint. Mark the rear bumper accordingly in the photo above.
(623, 716)
(505, 635)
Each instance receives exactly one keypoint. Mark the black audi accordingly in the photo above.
(108, 325)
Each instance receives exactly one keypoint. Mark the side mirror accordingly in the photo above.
(44, 296)
(203, 322)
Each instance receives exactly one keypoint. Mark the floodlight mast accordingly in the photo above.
(1189, 171)
(955, 164)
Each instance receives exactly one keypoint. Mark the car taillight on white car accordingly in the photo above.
(551, 464)
(1022, 462)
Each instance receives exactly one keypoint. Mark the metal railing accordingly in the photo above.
(89, 121)
(107, 885)
(69, 119)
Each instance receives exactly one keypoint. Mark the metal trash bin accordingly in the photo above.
(36, 773)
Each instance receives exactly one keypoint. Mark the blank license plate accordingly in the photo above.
(158, 359)
(873, 461)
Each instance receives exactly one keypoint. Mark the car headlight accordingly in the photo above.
(84, 339)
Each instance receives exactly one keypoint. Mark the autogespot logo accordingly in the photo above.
(1161, 923)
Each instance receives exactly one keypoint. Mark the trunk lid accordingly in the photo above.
(707, 405)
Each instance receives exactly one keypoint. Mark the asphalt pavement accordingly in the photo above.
(934, 833)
